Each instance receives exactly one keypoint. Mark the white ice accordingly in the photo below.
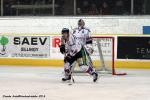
(47, 81)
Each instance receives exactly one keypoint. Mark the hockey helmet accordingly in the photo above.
(65, 30)
(81, 23)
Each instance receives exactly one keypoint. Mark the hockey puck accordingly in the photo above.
(69, 84)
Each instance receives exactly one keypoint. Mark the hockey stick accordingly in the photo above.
(72, 79)
(89, 60)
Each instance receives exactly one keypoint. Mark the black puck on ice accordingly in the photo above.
(69, 84)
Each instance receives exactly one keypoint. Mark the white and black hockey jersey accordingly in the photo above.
(73, 46)
(82, 34)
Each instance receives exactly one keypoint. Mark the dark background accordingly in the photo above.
(133, 48)
(73, 7)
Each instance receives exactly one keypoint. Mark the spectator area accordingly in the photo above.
(74, 7)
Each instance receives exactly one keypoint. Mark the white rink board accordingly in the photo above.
(50, 50)
(97, 24)
(26, 47)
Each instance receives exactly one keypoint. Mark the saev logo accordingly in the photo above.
(3, 42)
(30, 43)
(30, 40)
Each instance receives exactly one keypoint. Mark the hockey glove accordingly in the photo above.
(68, 58)
(62, 48)
(89, 41)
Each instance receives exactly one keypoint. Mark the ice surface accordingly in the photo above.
(47, 81)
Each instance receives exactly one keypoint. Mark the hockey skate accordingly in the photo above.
(66, 78)
(95, 76)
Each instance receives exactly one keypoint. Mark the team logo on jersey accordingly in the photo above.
(3, 42)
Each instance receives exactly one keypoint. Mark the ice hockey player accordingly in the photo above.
(74, 51)
(83, 34)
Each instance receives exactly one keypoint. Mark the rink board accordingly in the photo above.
(47, 53)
